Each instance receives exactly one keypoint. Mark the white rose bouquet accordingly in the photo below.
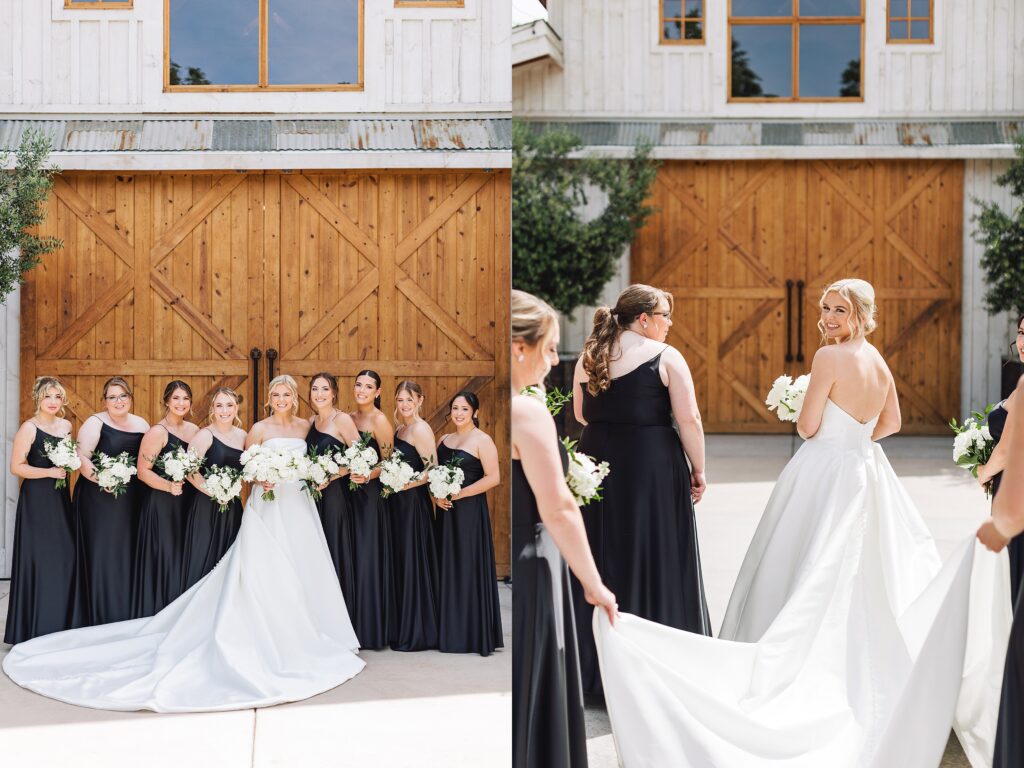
(267, 465)
(318, 468)
(177, 464)
(445, 480)
(786, 397)
(114, 472)
(360, 459)
(973, 443)
(62, 453)
(224, 484)
(395, 474)
(585, 475)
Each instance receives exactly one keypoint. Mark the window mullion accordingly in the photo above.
(264, 64)
(795, 42)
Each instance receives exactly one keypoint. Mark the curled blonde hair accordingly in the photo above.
(861, 297)
(44, 383)
(289, 382)
(413, 389)
(532, 318)
(230, 393)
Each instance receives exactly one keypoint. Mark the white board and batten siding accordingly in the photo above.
(416, 60)
(9, 423)
(614, 66)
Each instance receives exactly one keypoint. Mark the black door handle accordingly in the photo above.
(271, 357)
(255, 354)
(799, 321)
(789, 321)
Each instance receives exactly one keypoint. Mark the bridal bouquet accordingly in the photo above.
(786, 397)
(318, 468)
(224, 484)
(62, 453)
(360, 459)
(395, 474)
(267, 465)
(585, 475)
(445, 480)
(114, 472)
(973, 443)
(178, 464)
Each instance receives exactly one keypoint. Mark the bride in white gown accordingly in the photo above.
(845, 636)
(267, 625)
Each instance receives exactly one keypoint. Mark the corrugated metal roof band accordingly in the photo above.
(736, 133)
(225, 135)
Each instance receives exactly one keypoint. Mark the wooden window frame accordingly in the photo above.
(102, 5)
(263, 86)
(425, 4)
(793, 22)
(703, 19)
(889, 18)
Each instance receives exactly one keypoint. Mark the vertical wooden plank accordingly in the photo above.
(387, 223)
(502, 262)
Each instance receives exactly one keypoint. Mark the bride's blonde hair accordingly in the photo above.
(861, 296)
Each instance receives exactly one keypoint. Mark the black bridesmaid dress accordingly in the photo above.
(43, 567)
(1009, 751)
(336, 519)
(996, 425)
(414, 562)
(547, 697)
(643, 532)
(208, 531)
(373, 614)
(160, 546)
(106, 531)
(470, 612)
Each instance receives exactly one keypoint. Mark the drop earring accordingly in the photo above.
(520, 358)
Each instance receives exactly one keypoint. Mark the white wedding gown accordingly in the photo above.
(267, 625)
(844, 640)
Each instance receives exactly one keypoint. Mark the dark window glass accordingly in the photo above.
(313, 42)
(694, 9)
(762, 8)
(214, 43)
(694, 30)
(829, 60)
(762, 64)
(830, 7)
(920, 30)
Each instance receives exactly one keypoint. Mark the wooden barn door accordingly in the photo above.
(747, 247)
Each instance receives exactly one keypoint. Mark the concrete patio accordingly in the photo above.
(422, 710)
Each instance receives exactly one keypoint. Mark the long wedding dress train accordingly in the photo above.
(843, 644)
(267, 625)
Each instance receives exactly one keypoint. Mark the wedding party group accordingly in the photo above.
(151, 587)
(847, 640)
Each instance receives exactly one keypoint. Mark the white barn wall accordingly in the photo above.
(417, 60)
(615, 67)
(9, 423)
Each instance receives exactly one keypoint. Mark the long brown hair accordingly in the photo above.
(609, 323)
(413, 389)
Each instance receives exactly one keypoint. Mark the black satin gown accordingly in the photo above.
(373, 613)
(414, 562)
(996, 425)
(470, 611)
(643, 532)
(208, 531)
(43, 565)
(106, 532)
(547, 697)
(160, 546)
(336, 519)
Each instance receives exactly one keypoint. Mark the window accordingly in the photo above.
(263, 45)
(682, 22)
(796, 50)
(909, 21)
(105, 4)
(429, 3)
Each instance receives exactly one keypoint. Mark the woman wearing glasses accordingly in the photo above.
(106, 525)
(628, 386)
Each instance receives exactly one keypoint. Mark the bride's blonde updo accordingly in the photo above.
(609, 323)
(861, 296)
(289, 382)
(532, 318)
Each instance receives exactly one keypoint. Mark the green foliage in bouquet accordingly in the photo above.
(555, 254)
(554, 398)
(1002, 234)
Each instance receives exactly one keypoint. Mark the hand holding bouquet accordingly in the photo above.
(317, 469)
(973, 444)
(445, 480)
(223, 484)
(585, 475)
(114, 472)
(268, 466)
(177, 464)
(63, 453)
(395, 474)
(360, 459)
(786, 397)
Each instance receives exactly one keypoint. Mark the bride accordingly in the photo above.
(844, 640)
(267, 625)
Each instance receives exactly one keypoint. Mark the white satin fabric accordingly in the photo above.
(266, 626)
(844, 641)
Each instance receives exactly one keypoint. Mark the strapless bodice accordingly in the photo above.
(286, 443)
(838, 426)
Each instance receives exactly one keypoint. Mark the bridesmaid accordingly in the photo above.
(470, 612)
(106, 527)
(208, 531)
(992, 472)
(628, 387)
(374, 603)
(44, 544)
(547, 700)
(331, 429)
(412, 529)
(160, 547)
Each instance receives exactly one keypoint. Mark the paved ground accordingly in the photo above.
(741, 474)
(421, 710)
